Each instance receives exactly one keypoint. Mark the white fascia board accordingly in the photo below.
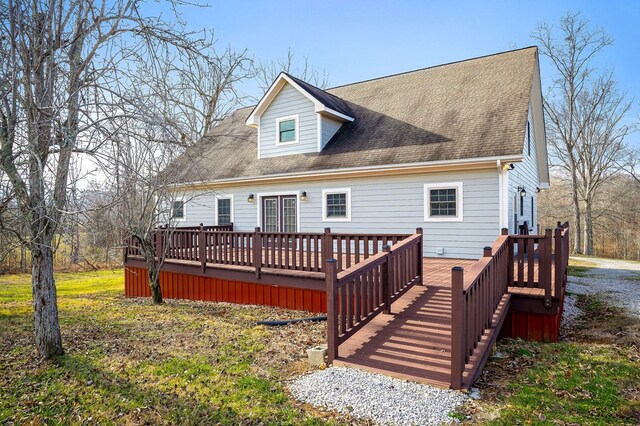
(275, 88)
(490, 161)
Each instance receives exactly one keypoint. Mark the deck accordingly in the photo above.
(389, 310)
(413, 342)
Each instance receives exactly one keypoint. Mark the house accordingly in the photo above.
(391, 204)
(457, 149)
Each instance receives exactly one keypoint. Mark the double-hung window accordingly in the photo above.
(177, 210)
(443, 202)
(224, 211)
(287, 130)
(336, 205)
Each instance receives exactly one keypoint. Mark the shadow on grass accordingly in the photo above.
(92, 391)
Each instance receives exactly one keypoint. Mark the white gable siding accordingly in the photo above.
(390, 204)
(525, 174)
(329, 128)
(289, 102)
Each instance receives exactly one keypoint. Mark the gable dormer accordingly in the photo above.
(294, 117)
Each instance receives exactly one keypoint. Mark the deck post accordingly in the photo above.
(331, 282)
(486, 252)
(257, 250)
(510, 259)
(558, 259)
(202, 247)
(457, 327)
(386, 279)
(545, 265)
(327, 245)
(420, 232)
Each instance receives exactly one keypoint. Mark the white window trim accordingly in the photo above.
(260, 195)
(427, 202)
(224, 197)
(184, 210)
(297, 129)
(325, 192)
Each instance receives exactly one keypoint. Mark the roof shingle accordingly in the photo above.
(470, 109)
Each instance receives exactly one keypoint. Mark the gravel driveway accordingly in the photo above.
(617, 279)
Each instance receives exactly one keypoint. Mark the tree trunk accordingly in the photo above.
(154, 283)
(575, 206)
(152, 269)
(45, 305)
(588, 227)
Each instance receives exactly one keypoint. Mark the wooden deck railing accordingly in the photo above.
(475, 297)
(512, 261)
(358, 294)
(291, 251)
(534, 258)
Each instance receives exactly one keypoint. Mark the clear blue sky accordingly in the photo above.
(358, 40)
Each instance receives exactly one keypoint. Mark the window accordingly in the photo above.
(287, 130)
(177, 210)
(528, 137)
(336, 205)
(443, 202)
(224, 211)
(532, 211)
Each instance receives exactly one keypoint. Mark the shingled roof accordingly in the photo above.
(475, 108)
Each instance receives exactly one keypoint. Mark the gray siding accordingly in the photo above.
(525, 174)
(329, 128)
(393, 204)
(289, 102)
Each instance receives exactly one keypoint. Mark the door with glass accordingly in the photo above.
(280, 213)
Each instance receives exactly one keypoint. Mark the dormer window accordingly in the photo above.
(287, 129)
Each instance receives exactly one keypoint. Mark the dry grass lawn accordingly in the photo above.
(129, 362)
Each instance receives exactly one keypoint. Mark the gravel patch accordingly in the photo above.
(385, 400)
(618, 280)
(570, 312)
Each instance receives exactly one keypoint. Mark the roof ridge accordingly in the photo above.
(429, 67)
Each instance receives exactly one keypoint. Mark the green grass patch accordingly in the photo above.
(130, 362)
(571, 383)
(590, 378)
(15, 288)
(579, 267)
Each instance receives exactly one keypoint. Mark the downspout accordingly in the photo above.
(503, 187)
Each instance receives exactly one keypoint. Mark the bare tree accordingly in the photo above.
(193, 93)
(572, 56)
(267, 71)
(600, 146)
(143, 197)
(60, 86)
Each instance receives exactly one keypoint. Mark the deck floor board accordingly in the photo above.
(414, 341)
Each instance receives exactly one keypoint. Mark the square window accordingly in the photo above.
(177, 210)
(287, 130)
(336, 204)
(224, 211)
(443, 202)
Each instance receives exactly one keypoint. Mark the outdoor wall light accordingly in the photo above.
(511, 166)
(250, 198)
(523, 192)
(538, 190)
(303, 196)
